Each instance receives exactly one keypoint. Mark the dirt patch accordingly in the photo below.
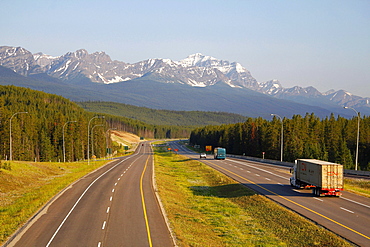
(125, 138)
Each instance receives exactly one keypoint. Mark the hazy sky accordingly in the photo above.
(320, 43)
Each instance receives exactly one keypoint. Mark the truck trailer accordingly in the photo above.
(325, 178)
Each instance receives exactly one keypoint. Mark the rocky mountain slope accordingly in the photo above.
(196, 70)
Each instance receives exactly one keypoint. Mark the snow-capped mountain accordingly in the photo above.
(196, 70)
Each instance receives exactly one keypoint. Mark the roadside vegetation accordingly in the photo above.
(27, 186)
(207, 208)
(357, 186)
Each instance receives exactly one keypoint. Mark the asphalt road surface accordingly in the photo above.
(113, 206)
(347, 216)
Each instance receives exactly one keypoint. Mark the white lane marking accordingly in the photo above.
(113, 190)
(321, 200)
(119, 178)
(104, 225)
(257, 175)
(248, 171)
(115, 184)
(244, 164)
(241, 168)
(268, 179)
(110, 199)
(121, 174)
(297, 191)
(79, 199)
(108, 209)
(281, 184)
(99, 244)
(359, 203)
(347, 210)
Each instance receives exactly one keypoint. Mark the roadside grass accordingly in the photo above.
(357, 186)
(26, 186)
(207, 208)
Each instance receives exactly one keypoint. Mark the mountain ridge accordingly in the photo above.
(197, 70)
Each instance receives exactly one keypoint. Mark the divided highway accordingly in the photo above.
(114, 206)
(348, 216)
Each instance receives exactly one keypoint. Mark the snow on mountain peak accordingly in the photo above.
(197, 59)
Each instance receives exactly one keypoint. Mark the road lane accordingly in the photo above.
(348, 216)
(114, 206)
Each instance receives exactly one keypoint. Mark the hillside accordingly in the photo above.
(163, 117)
(38, 121)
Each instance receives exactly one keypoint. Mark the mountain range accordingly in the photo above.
(197, 82)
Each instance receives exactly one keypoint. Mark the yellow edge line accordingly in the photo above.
(325, 217)
(143, 203)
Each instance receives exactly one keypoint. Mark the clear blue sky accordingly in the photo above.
(320, 43)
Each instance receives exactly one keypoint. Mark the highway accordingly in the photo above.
(113, 206)
(347, 216)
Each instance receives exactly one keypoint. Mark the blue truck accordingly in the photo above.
(219, 153)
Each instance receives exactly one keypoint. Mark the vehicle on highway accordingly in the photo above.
(203, 155)
(219, 153)
(325, 178)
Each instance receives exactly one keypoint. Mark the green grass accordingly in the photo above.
(206, 208)
(358, 186)
(27, 186)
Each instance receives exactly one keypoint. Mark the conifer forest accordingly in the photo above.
(33, 123)
(332, 139)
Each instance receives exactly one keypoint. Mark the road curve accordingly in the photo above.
(348, 216)
(113, 206)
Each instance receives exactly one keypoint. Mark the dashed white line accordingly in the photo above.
(108, 209)
(115, 184)
(248, 171)
(359, 203)
(268, 179)
(318, 199)
(119, 178)
(257, 175)
(110, 199)
(113, 190)
(347, 210)
(99, 244)
(104, 225)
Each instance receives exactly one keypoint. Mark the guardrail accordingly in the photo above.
(290, 164)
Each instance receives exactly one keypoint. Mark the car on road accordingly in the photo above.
(203, 155)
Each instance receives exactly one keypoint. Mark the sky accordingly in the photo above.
(319, 43)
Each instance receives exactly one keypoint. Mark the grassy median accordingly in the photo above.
(207, 208)
(357, 186)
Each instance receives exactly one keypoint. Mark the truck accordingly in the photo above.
(219, 153)
(325, 178)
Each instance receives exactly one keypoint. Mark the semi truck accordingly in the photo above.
(325, 178)
(219, 153)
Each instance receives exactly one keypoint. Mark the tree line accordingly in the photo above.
(162, 117)
(332, 139)
(36, 122)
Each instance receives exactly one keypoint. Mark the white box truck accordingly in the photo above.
(325, 178)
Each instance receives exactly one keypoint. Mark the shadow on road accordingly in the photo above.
(247, 189)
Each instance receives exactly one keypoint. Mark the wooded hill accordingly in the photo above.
(38, 134)
(163, 117)
(332, 139)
